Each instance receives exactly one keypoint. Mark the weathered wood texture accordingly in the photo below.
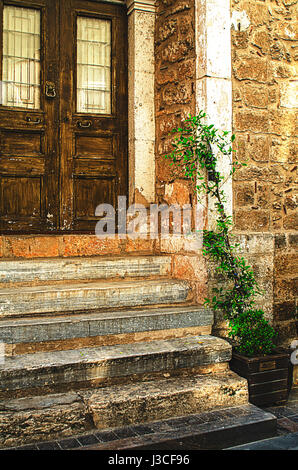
(58, 165)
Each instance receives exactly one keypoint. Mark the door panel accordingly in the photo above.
(93, 110)
(28, 121)
(63, 113)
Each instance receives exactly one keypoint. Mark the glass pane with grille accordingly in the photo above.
(93, 65)
(21, 57)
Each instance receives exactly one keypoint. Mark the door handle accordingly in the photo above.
(33, 121)
(84, 124)
(50, 90)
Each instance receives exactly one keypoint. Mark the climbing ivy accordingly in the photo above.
(196, 147)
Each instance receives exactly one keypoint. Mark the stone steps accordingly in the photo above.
(48, 372)
(37, 418)
(88, 296)
(29, 335)
(95, 343)
(61, 269)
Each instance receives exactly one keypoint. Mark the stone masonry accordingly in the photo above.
(265, 93)
(264, 82)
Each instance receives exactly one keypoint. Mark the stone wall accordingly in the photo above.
(265, 102)
(175, 99)
(174, 88)
(264, 67)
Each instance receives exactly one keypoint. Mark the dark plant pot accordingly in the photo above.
(269, 377)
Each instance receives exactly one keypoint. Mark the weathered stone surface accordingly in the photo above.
(245, 194)
(59, 269)
(42, 418)
(177, 192)
(90, 296)
(39, 418)
(151, 401)
(31, 246)
(182, 243)
(79, 368)
(253, 121)
(189, 267)
(251, 68)
(80, 245)
(103, 324)
(252, 220)
(256, 96)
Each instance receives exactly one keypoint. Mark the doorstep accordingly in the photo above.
(205, 431)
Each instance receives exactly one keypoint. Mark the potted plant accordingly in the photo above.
(196, 148)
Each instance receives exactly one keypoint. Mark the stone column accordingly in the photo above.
(213, 74)
(141, 118)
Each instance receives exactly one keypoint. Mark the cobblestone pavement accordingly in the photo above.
(287, 427)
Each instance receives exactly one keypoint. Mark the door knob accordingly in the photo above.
(50, 90)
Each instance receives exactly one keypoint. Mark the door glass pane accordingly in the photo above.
(21, 57)
(93, 65)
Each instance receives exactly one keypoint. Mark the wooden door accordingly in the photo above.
(28, 119)
(66, 154)
(93, 110)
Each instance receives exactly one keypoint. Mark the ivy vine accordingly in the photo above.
(196, 148)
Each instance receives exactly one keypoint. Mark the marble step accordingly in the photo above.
(60, 269)
(25, 335)
(74, 369)
(146, 407)
(93, 295)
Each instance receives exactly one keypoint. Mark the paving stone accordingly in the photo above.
(287, 442)
(125, 432)
(142, 429)
(27, 447)
(288, 424)
(106, 436)
(88, 439)
(48, 446)
(70, 443)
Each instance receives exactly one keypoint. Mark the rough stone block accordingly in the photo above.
(253, 121)
(251, 68)
(151, 401)
(189, 267)
(256, 96)
(257, 220)
(244, 194)
(181, 243)
(139, 245)
(88, 245)
(31, 246)
(291, 221)
(40, 418)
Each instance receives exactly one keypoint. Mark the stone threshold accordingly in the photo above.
(204, 431)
